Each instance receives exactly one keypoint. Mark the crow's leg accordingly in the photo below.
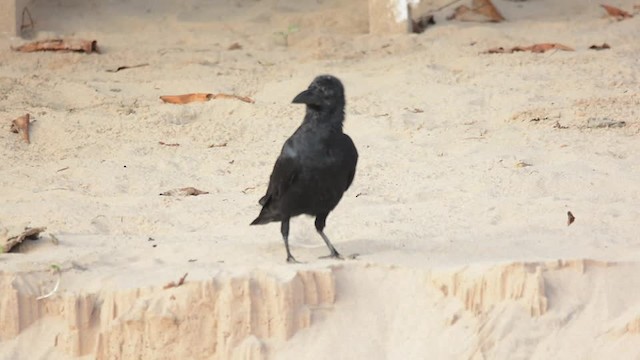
(284, 229)
(320, 223)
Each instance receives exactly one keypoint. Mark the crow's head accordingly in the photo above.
(324, 93)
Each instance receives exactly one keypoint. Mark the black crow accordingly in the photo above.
(316, 165)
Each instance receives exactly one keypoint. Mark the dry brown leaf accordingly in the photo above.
(186, 98)
(28, 233)
(619, 14)
(21, 126)
(232, 96)
(497, 50)
(600, 47)
(202, 97)
(540, 48)
(188, 191)
(234, 46)
(87, 46)
(174, 284)
(480, 11)
(536, 48)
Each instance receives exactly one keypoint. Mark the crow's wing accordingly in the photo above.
(284, 173)
(350, 158)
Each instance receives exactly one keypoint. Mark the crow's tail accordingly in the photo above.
(266, 216)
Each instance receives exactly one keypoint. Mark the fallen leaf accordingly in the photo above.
(480, 11)
(202, 97)
(232, 96)
(619, 14)
(188, 191)
(600, 47)
(119, 68)
(165, 144)
(186, 98)
(174, 284)
(21, 126)
(28, 233)
(536, 48)
(78, 45)
(234, 46)
(571, 218)
(540, 48)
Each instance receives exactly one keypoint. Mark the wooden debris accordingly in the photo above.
(124, 67)
(77, 45)
(28, 233)
(619, 14)
(174, 284)
(536, 48)
(166, 144)
(21, 126)
(480, 11)
(571, 218)
(600, 47)
(202, 97)
(188, 191)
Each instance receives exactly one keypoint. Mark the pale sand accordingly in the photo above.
(463, 254)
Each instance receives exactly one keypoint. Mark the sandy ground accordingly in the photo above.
(468, 165)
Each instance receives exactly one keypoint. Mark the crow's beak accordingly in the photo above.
(308, 97)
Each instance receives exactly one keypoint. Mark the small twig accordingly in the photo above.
(54, 239)
(56, 270)
(188, 191)
(119, 68)
(247, 189)
(174, 284)
(63, 169)
(217, 145)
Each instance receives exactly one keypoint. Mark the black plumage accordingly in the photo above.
(316, 165)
